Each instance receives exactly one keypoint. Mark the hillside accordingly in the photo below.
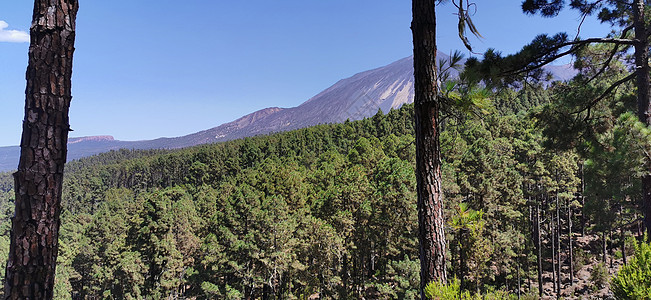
(316, 209)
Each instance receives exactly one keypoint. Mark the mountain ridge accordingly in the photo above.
(356, 97)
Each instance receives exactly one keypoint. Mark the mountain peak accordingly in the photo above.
(353, 98)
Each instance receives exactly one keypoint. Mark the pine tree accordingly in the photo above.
(38, 182)
(428, 153)
(621, 15)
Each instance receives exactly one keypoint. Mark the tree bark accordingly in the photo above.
(643, 92)
(34, 236)
(431, 234)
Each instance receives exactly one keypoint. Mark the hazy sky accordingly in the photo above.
(151, 68)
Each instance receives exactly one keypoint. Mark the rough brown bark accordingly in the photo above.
(428, 154)
(643, 92)
(33, 252)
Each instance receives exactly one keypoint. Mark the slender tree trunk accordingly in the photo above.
(539, 250)
(558, 246)
(570, 241)
(462, 261)
(519, 279)
(431, 234)
(35, 230)
(610, 250)
(603, 244)
(552, 239)
(622, 234)
(528, 268)
(638, 227)
(528, 246)
(582, 187)
(643, 93)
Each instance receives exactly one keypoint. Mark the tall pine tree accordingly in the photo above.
(38, 181)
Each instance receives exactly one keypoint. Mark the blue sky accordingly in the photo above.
(145, 69)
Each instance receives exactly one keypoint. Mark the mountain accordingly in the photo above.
(353, 98)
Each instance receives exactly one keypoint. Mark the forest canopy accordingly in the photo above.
(330, 209)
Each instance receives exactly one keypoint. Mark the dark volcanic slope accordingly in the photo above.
(353, 98)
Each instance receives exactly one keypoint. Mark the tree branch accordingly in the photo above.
(612, 54)
(576, 45)
(608, 91)
(541, 64)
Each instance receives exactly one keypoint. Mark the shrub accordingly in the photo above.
(581, 258)
(438, 291)
(599, 275)
(633, 281)
(531, 295)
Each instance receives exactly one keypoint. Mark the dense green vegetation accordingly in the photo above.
(331, 209)
(633, 281)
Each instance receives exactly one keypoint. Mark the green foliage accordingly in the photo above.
(581, 258)
(327, 210)
(406, 274)
(452, 291)
(472, 246)
(599, 275)
(282, 216)
(6, 212)
(633, 281)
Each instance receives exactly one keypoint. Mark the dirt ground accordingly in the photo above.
(582, 287)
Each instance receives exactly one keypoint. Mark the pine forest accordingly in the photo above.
(330, 210)
(497, 182)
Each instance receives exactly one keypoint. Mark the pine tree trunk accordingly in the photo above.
(528, 246)
(610, 238)
(570, 241)
(519, 279)
(643, 93)
(623, 246)
(622, 234)
(603, 246)
(539, 250)
(462, 261)
(558, 247)
(35, 230)
(431, 234)
(583, 219)
(552, 239)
